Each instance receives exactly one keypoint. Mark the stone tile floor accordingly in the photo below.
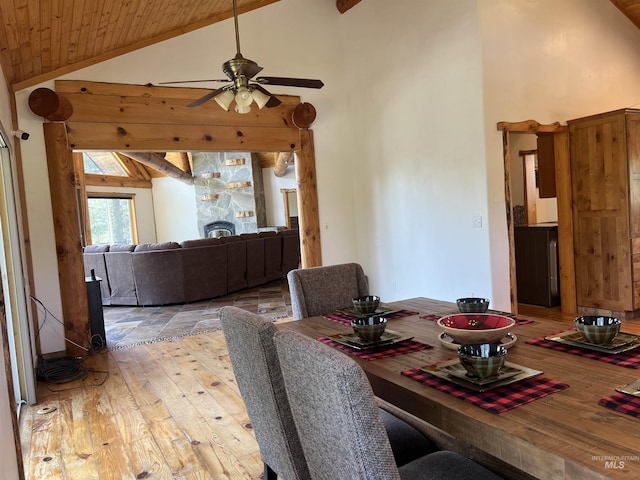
(129, 326)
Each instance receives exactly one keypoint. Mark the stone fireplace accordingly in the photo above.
(229, 188)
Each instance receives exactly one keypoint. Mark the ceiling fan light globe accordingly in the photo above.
(243, 97)
(243, 108)
(260, 98)
(225, 99)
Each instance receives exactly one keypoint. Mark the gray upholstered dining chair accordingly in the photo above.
(319, 290)
(337, 419)
(256, 366)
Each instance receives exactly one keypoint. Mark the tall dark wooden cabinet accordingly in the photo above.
(605, 177)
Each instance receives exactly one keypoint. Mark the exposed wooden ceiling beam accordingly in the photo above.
(113, 181)
(157, 161)
(134, 169)
(282, 162)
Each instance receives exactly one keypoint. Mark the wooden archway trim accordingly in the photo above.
(568, 300)
(123, 118)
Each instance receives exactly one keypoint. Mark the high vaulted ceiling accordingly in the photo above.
(44, 39)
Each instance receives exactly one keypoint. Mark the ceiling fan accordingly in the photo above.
(242, 88)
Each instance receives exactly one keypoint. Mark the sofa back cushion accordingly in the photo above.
(96, 249)
(121, 248)
(145, 247)
(230, 239)
(200, 242)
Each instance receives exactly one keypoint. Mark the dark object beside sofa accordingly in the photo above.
(94, 260)
(172, 273)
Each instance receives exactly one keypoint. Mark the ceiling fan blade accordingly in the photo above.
(226, 80)
(273, 101)
(206, 98)
(249, 70)
(291, 82)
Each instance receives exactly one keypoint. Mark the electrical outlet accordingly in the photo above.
(476, 221)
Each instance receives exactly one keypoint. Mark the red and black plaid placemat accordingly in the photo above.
(497, 400)
(621, 402)
(400, 348)
(519, 321)
(629, 359)
(345, 319)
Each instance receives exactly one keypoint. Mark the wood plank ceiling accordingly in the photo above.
(44, 39)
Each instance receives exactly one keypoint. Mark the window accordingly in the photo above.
(103, 163)
(112, 219)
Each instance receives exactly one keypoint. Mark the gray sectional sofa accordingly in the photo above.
(193, 270)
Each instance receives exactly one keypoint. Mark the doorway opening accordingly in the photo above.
(558, 152)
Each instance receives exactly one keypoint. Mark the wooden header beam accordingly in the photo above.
(531, 126)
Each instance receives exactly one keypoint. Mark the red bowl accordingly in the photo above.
(466, 328)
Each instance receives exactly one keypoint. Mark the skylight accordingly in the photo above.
(103, 163)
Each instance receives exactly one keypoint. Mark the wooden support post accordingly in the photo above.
(308, 215)
(73, 290)
(568, 299)
(509, 211)
(81, 195)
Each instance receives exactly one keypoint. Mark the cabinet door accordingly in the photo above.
(633, 160)
(600, 187)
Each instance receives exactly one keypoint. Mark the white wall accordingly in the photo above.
(419, 172)
(144, 211)
(549, 61)
(174, 203)
(274, 201)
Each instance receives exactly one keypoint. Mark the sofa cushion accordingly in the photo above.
(145, 247)
(159, 276)
(205, 270)
(96, 248)
(120, 275)
(236, 262)
(200, 242)
(121, 248)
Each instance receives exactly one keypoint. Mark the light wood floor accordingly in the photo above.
(168, 410)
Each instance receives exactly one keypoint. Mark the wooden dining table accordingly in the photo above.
(566, 434)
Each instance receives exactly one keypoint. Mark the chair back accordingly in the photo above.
(256, 367)
(319, 290)
(335, 411)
